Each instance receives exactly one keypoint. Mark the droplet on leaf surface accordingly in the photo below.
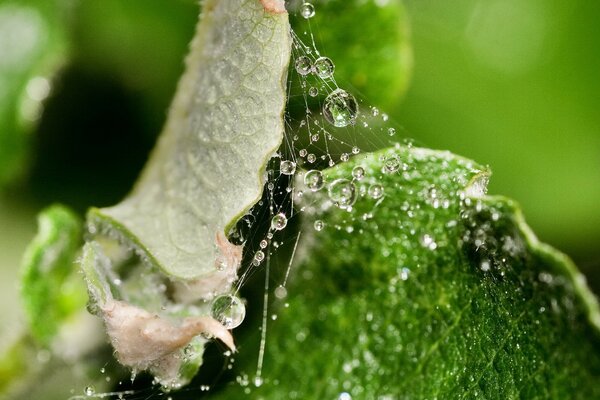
(342, 192)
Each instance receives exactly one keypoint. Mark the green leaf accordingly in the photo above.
(51, 288)
(433, 290)
(155, 260)
(33, 46)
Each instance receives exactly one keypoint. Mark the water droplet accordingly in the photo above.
(342, 192)
(375, 111)
(89, 390)
(391, 165)
(258, 257)
(287, 167)
(427, 241)
(324, 67)
(307, 10)
(263, 244)
(311, 158)
(303, 153)
(358, 173)
(313, 91)
(345, 157)
(258, 381)
(229, 310)
(391, 131)
(319, 225)
(375, 191)
(314, 137)
(355, 150)
(303, 65)
(344, 396)
(340, 108)
(280, 292)
(278, 222)
(313, 179)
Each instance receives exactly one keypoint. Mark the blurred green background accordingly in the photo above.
(85, 85)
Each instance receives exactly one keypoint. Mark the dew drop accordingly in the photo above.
(375, 111)
(313, 91)
(280, 292)
(324, 67)
(311, 158)
(391, 165)
(375, 191)
(278, 222)
(391, 131)
(319, 225)
(263, 244)
(303, 65)
(358, 173)
(340, 108)
(307, 10)
(89, 390)
(345, 157)
(303, 152)
(229, 310)
(313, 179)
(342, 192)
(259, 256)
(344, 396)
(355, 150)
(287, 167)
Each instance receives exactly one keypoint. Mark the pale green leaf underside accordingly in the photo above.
(225, 122)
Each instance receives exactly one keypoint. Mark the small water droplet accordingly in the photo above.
(358, 173)
(287, 167)
(280, 292)
(375, 111)
(311, 158)
(258, 381)
(355, 150)
(340, 108)
(258, 257)
(319, 225)
(303, 153)
(345, 157)
(375, 191)
(307, 10)
(313, 91)
(344, 396)
(303, 65)
(263, 244)
(229, 310)
(342, 192)
(89, 390)
(391, 131)
(324, 67)
(391, 165)
(314, 137)
(313, 179)
(278, 222)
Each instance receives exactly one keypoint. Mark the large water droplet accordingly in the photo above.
(307, 10)
(287, 167)
(340, 108)
(342, 192)
(314, 180)
(303, 65)
(278, 222)
(324, 67)
(229, 310)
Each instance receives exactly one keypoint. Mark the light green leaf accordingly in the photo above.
(433, 290)
(225, 123)
(207, 170)
(51, 288)
(32, 47)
